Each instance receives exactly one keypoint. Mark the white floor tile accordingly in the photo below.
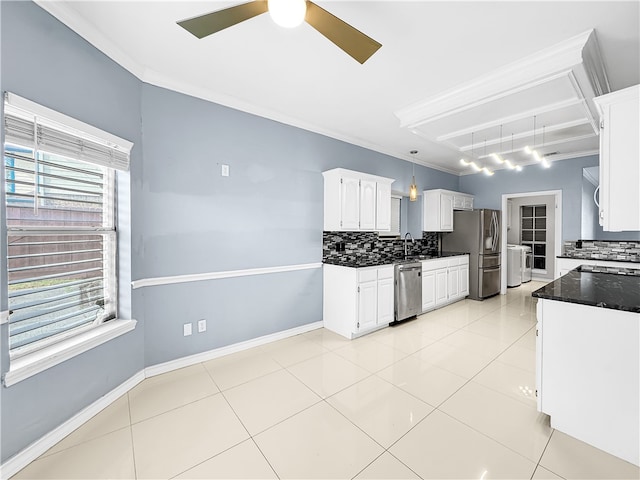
(327, 338)
(424, 380)
(328, 373)
(317, 443)
(387, 467)
(171, 390)
(572, 459)
(293, 350)
(173, 442)
(513, 424)
(108, 456)
(381, 410)
(240, 462)
(513, 381)
(519, 357)
(235, 369)
(372, 356)
(441, 447)
(265, 401)
(112, 418)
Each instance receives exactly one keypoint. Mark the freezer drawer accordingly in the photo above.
(489, 282)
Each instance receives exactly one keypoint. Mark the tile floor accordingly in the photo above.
(447, 395)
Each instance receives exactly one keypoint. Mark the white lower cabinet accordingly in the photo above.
(357, 300)
(444, 281)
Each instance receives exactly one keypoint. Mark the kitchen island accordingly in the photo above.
(588, 357)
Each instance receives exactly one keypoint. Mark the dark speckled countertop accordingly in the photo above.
(618, 289)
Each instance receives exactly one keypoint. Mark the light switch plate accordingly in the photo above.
(202, 325)
(224, 170)
(186, 329)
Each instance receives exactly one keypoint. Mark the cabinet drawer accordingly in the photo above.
(385, 272)
(429, 265)
(367, 275)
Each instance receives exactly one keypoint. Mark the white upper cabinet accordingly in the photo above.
(620, 159)
(355, 201)
(438, 206)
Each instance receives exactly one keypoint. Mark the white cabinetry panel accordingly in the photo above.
(619, 159)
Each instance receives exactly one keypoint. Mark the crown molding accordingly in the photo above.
(541, 67)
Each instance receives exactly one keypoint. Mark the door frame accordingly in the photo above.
(557, 234)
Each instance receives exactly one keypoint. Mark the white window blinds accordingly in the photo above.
(29, 124)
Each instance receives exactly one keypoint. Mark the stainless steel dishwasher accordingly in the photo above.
(408, 294)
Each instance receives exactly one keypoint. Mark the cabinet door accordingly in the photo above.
(441, 286)
(367, 305)
(428, 290)
(464, 280)
(539, 319)
(619, 167)
(446, 212)
(385, 301)
(383, 207)
(368, 205)
(458, 202)
(453, 285)
(468, 203)
(349, 203)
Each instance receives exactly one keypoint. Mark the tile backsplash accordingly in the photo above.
(603, 250)
(351, 246)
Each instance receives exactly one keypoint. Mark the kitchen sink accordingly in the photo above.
(418, 257)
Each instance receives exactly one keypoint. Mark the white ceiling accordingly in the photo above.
(300, 78)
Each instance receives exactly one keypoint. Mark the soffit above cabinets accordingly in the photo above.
(495, 113)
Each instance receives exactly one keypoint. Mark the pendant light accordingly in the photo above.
(486, 171)
(544, 161)
(413, 188)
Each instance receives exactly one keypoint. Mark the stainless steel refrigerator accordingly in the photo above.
(477, 232)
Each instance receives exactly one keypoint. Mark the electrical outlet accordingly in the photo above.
(186, 329)
(224, 170)
(202, 325)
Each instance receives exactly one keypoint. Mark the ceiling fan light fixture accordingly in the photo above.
(287, 13)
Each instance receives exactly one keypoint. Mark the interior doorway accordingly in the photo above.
(521, 214)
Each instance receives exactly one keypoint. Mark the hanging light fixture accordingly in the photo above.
(413, 188)
(543, 160)
(287, 13)
(486, 171)
(496, 156)
(472, 163)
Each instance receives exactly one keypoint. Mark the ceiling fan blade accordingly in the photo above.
(215, 21)
(349, 39)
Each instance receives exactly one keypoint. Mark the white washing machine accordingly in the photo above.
(527, 262)
(514, 265)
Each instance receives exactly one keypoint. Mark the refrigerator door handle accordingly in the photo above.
(494, 228)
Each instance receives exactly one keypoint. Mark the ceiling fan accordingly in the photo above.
(288, 13)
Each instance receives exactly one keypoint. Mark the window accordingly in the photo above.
(533, 233)
(61, 234)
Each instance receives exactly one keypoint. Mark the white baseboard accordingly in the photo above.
(37, 448)
(44, 443)
(219, 352)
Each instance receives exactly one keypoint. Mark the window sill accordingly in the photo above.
(36, 362)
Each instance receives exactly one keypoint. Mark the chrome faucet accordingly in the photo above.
(405, 242)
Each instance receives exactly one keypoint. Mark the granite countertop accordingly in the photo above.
(360, 262)
(602, 257)
(606, 287)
